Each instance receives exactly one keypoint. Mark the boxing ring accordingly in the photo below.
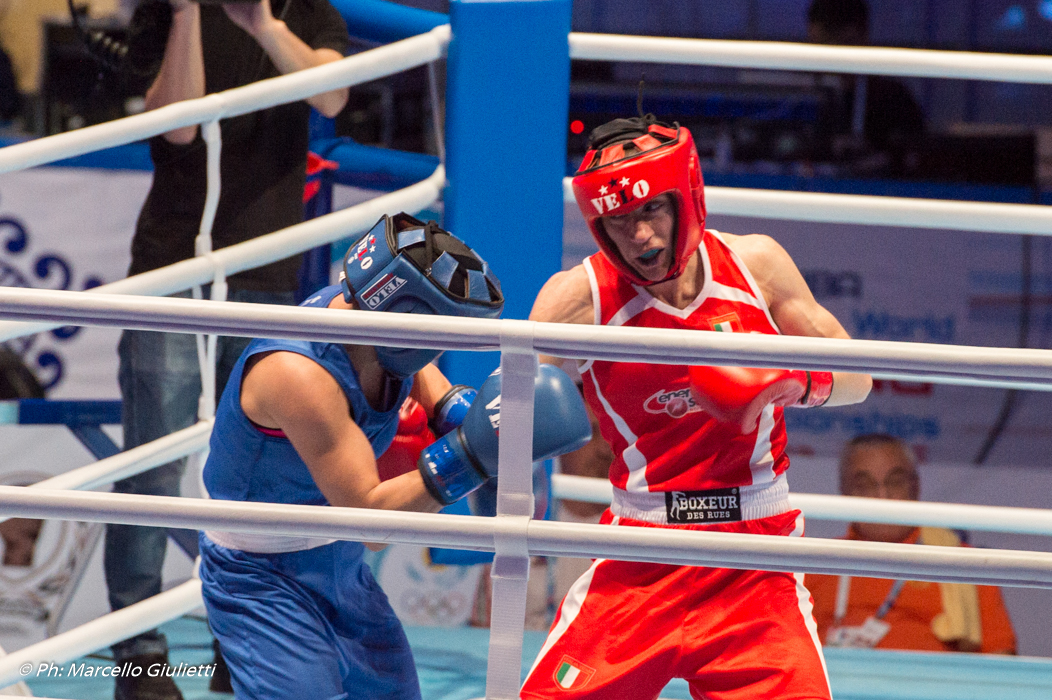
(512, 535)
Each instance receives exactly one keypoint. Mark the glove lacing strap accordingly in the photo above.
(819, 387)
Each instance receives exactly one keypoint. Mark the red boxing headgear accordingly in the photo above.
(618, 178)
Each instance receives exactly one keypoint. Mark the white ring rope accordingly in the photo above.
(105, 631)
(873, 210)
(1025, 521)
(1031, 521)
(961, 381)
(260, 251)
(653, 345)
(545, 538)
(131, 462)
(354, 70)
(768, 55)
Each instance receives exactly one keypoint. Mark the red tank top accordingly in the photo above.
(662, 441)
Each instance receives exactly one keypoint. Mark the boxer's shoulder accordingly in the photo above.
(565, 298)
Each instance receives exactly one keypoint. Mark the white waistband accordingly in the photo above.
(757, 501)
(265, 544)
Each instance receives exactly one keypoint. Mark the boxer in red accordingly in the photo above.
(696, 447)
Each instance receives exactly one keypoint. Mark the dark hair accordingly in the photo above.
(620, 130)
(838, 14)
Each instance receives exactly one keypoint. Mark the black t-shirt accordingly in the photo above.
(891, 112)
(263, 161)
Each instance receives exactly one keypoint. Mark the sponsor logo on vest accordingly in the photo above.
(712, 506)
(382, 289)
(573, 674)
(676, 403)
(618, 193)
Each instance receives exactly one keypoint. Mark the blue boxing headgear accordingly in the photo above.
(406, 266)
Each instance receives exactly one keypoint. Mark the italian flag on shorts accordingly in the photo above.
(572, 673)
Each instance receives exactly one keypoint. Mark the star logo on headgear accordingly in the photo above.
(606, 203)
(368, 245)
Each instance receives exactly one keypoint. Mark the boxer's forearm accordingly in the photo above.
(849, 388)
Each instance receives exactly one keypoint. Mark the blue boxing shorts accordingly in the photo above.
(311, 624)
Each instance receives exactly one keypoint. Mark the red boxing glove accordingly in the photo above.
(739, 394)
(412, 437)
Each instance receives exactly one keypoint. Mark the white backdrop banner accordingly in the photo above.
(69, 228)
(60, 228)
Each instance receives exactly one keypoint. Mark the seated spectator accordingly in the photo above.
(915, 615)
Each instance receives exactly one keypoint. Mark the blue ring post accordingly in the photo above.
(507, 104)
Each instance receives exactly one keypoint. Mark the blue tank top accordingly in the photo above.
(245, 464)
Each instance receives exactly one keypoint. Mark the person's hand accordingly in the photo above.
(178, 5)
(254, 17)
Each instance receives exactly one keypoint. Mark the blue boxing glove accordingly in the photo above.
(450, 410)
(464, 459)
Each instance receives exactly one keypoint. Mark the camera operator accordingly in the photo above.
(210, 48)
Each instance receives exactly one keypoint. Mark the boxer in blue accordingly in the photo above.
(302, 423)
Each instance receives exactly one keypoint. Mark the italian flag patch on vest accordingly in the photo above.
(728, 323)
(572, 673)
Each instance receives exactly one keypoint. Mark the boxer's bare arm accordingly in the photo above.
(794, 308)
(290, 392)
(565, 298)
(429, 386)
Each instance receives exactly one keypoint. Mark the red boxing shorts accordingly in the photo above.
(625, 629)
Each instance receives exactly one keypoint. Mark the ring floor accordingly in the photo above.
(451, 663)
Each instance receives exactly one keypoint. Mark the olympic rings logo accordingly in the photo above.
(435, 605)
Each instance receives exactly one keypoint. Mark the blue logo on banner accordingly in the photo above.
(881, 325)
(833, 284)
(20, 268)
(904, 426)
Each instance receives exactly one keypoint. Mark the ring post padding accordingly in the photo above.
(381, 21)
(511, 563)
(507, 103)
